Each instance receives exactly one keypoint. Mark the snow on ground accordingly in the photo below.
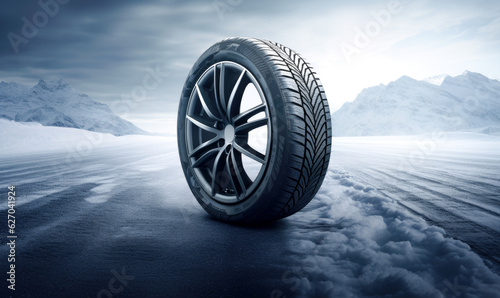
(452, 180)
(365, 235)
(20, 138)
(75, 147)
(353, 241)
(372, 230)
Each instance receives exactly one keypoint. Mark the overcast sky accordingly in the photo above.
(105, 48)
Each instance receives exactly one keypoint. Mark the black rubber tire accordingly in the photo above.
(299, 144)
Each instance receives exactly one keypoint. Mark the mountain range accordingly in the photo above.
(55, 103)
(466, 102)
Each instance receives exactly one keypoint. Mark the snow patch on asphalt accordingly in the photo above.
(101, 193)
(27, 198)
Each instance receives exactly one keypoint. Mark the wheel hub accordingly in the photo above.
(229, 134)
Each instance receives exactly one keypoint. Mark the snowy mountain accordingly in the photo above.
(55, 103)
(406, 106)
(436, 80)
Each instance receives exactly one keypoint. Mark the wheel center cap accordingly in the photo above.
(229, 134)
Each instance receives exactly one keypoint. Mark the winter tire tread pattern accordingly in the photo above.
(317, 130)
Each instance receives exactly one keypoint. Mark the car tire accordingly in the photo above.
(254, 131)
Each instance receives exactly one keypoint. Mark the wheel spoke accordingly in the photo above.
(231, 175)
(217, 167)
(207, 104)
(235, 171)
(235, 93)
(205, 157)
(222, 97)
(199, 122)
(250, 152)
(217, 92)
(245, 128)
(249, 114)
(205, 146)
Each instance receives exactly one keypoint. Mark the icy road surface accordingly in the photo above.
(98, 215)
(451, 180)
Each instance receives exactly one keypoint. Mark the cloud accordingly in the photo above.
(104, 48)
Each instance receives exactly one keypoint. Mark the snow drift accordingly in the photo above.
(354, 242)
